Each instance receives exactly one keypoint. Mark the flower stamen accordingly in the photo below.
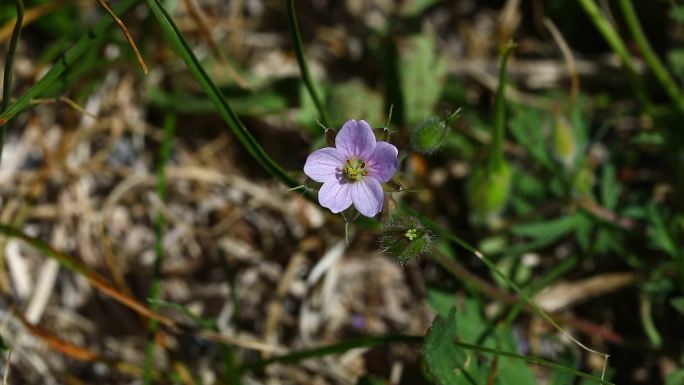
(355, 170)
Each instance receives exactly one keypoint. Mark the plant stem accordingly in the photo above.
(618, 46)
(245, 137)
(303, 67)
(9, 63)
(364, 342)
(159, 225)
(496, 157)
(657, 66)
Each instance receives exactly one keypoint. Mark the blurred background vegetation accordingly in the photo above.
(156, 188)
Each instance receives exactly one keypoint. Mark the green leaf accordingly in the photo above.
(610, 187)
(678, 304)
(441, 301)
(547, 230)
(448, 363)
(421, 74)
(351, 99)
(675, 378)
(526, 127)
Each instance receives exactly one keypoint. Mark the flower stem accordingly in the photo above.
(657, 66)
(303, 67)
(9, 63)
(496, 157)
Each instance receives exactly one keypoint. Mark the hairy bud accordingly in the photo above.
(405, 238)
(429, 136)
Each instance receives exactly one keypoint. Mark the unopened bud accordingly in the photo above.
(488, 192)
(429, 136)
(405, 238)
(564, 142)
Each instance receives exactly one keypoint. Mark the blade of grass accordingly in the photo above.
(67, 60)
(617, 45)
(532, 359)
(657, 66)
(364, 342)
(303, 66)
(174, 37)
(159, 225)
(9, 63)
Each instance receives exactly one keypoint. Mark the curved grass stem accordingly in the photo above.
(303, 67)
(657, 66)
(617, 45)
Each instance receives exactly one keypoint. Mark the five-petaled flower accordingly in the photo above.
(351, 172)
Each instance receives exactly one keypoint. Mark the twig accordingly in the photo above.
(5, 376)
(69, 102)
(128, 36)
(569, 59)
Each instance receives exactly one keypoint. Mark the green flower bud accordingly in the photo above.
(429, 136)
(583, 181)
(488, 192)
(564, 142)
(405, 238)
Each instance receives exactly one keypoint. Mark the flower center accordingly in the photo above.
(355, 170)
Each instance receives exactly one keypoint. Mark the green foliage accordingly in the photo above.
(421, 71)
(354, 99)
(488, 193)
(429, 136)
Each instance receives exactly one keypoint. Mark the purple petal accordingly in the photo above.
(324, 165)
(367, 196)
(383, 163)
(335, 195)
(355, 139)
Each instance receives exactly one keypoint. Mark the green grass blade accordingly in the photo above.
(9, 63)
(174, 37)
(616, 44)
(159, 225)
(532, 359)
(364, 342)
(69, 59)
(658, 68)
(303, 67)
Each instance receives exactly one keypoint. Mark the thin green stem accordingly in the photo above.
(9, 63)
(159, 226)
(617, 45)
(657, 66)
(174, 37)
(496, 157)
(303, 67)
(531, 359)
(365, 342)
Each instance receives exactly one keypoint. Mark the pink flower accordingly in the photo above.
(351, 172)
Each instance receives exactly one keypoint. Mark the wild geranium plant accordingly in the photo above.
(353, 170)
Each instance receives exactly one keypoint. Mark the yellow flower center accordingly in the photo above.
(355, 170)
